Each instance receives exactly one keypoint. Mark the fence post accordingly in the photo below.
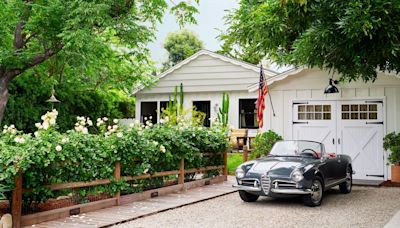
(245, 153)
(181, 179)
(117, 176)
(16, 206)
(225, 170)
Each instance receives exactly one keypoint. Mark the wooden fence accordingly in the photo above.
(17, 200)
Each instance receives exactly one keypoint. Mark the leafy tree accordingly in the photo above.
(180, 45)
(354, 38)
(93, 41)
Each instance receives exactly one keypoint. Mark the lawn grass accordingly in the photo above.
(234, 160)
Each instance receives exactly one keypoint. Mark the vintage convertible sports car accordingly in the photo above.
(294, 168)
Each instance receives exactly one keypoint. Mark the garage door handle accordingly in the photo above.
(333, 141)
(374, 122)
(294, 122)
(338, 141)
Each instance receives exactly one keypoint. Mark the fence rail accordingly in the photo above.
(17, 200)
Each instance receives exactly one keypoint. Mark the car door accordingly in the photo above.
(329, 167)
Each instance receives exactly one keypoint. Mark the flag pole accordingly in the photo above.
(270, 99)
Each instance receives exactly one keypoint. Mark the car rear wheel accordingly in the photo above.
(317, 193)
(346, 186)
(247, 197)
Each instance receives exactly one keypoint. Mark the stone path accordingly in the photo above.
(131, 211)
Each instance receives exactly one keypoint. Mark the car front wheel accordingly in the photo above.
(346, 186)
(317, 193)
(247, 197)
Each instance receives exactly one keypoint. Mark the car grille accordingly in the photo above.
(265, 183)
(249, 182)
(282, 184)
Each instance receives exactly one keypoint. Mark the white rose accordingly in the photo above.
(19, 140)
(131, 125)
(58, 148)
(151, 117)
(37, 134)
(52, 121)
(90, 123)
(85, 131)
(12, 126)
(45, 125)
(119, 134)
(161, 121)
(145, 118)
(115, 121)
(145, 171)
(162, 149)
(105, 118)
(5, 127)
(64, 140)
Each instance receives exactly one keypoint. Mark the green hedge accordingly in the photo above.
(28, 95)
(91, 149)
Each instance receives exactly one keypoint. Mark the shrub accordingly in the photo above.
(263, 143)
(91, 149)
(392, 142)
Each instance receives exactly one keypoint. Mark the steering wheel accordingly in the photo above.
(313, 152)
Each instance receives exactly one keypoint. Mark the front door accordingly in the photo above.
(354, 128)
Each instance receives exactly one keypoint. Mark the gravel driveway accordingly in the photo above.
(363, 207)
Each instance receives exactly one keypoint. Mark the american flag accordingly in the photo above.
(262, 91)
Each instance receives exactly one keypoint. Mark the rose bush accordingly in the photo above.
(90, 151)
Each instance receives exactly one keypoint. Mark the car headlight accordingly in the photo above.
(239, 173)
(297, 175)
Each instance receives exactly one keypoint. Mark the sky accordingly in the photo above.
(209, 23)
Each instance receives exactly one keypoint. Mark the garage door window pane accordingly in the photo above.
(373, 116)
(345, 116)
(363, 116)
(345, 108)
(354, 108)
(363, 108)
(327, 108)
(373, 107)
(302, 116)
(301, 108)
(327, 116)
(318, 116)
(318, 108)
(354, 116)
(310, 108)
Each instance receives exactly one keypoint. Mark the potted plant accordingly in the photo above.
(391, 143)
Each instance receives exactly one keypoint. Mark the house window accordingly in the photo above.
(148, 111)
(204, 106)
(248, 113)
(360, 112)
(163, 106)
(314, 112)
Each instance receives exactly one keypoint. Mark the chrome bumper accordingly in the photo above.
(274, 190)
(291, 191)
(247, 188)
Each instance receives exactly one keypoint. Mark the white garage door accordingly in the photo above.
(354, 128)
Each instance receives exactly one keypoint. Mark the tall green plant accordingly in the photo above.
(181, 99)
(224, 110)
(392, 142)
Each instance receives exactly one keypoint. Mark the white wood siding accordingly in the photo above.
(215, 99)
(206, 74)
(310, 84)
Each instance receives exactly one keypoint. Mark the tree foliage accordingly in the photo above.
(354, 38)
(100, 42)
(180, 45)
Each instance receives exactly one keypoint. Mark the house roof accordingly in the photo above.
(225, 58)
(278, 77)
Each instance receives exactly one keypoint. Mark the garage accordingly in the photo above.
(351, 127)
(352, 121)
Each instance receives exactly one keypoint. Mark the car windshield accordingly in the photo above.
(296, 148)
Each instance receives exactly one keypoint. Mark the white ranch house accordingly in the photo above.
(353, 121)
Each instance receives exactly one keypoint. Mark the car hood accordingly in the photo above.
(279, 166)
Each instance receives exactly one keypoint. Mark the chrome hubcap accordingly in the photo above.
(316, 191)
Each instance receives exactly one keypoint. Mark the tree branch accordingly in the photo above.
(12, 73)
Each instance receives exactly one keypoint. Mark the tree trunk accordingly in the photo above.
(4, 81)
